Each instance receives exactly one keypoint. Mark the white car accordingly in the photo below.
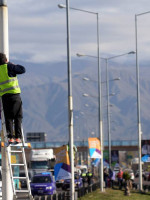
(116, 170)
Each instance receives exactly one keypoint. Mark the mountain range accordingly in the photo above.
(45, 99)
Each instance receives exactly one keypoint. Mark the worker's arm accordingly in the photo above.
(14, 69)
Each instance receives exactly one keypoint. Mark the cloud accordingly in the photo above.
(37, 29)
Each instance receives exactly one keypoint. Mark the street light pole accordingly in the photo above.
(70, 103)
(108, 113)
(7, 191)
(107, 88)
(138, 101)
(100, 108)
(108, 102)
(99, 91)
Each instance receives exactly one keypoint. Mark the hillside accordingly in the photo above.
(44, 94)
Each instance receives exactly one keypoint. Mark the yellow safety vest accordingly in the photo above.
(89, 174)
(8, 84)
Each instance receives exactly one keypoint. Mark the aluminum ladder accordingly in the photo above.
(16, 149)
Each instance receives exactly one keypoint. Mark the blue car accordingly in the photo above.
(43, 184)
(78, 183)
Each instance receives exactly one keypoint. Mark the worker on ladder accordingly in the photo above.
(11, 100)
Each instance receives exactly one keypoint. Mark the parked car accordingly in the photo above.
(77, 180)
(43, 184)
(59, 183)
(137, 174)
(147, 175)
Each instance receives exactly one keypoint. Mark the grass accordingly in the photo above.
(115, 194)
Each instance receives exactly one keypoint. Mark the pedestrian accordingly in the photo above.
(89, 177)
(113, 178)
(11, 100)
(84, 177)
(120, 178)
(106, 177)
(109, 176)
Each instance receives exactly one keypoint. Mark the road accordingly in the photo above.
(136, 180)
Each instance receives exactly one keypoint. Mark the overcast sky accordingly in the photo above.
(37, 28)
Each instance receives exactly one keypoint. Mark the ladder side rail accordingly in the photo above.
(26, 170)
(23, 140)
(7, 148)
(10, 168)
(25, 163)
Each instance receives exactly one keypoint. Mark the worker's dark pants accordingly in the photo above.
(12, 105)
(89, 180)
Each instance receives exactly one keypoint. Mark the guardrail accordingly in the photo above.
(40, 145)
(64, 195)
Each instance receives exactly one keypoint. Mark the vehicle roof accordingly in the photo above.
(44, 174)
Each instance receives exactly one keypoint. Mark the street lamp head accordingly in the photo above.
(82, 113)
(112, 94)
(85, 95)
(132, 52)
(117, 79)
(80, 55)
(61, 6)
(86, 79)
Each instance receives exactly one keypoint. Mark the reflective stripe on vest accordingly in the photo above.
(11, 88)
(83, 174)
(8, 81)
(8, 84)
(89, 174)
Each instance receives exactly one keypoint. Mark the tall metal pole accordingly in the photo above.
(4, 28)
(70, 103)
(7, 192)
(100, 108)
(138, 107)
(99, 91)
(108, 102)
(108, 113)
(138, 101)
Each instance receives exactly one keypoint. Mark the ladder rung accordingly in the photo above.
(18, 177)
(15, 151)
(21, 145)
(17, 164)
(21, 191)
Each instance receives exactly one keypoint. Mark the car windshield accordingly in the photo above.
(39, 165)
(41, 179)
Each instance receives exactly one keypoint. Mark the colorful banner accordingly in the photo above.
(145, 147)
(94, 147)
(96, 162)
(145, 158)
(62, 168)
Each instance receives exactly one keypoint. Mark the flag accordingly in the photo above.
(146, 158)
(62, 168)
(94, 147)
